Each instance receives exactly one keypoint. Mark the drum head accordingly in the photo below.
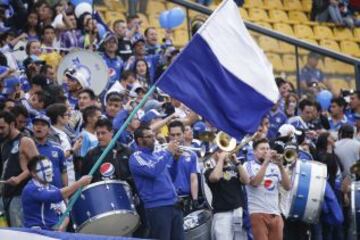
(111, 223)
(93, 62)
(196, 219)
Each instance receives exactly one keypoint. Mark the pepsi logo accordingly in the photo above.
(269, 184)
(107, 170)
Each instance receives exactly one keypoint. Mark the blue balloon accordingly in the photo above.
(172, 18)
(77, 2)
(176, 17)
(101, 29)
(324, 98)
(163, 19)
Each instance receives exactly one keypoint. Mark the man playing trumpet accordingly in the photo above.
(184, 168)
(266, 173)
(226, 182)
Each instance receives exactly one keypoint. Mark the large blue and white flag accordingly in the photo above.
(223, 75)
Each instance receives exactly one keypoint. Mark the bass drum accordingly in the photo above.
(355, 209)
(197, 225)
(105, 208)
(92, 62)
(308, 189)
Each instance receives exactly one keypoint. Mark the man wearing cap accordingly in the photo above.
(114, 62)
(12, 89)
(153, 61)
(16, 151)
(119, 157)
(310, 74)
(50, 149)
(124, 84)
(78, 78)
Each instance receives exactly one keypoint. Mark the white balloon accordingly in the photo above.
(58, 21)
(82, 8)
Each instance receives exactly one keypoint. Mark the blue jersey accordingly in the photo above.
(181, 170)
(276, 119)
(335, 126)
(152, 178)
(311, 75)
(41, 205)
(115, 66)
(55, 154)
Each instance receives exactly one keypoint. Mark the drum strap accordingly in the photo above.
(237, 223)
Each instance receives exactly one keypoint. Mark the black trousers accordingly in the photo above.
(166, 223)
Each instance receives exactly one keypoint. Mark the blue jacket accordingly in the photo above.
(152, 178)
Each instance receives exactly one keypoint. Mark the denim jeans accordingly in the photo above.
(14, 211)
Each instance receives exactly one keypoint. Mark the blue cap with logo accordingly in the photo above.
(150, 115)
(10, 84)
(43, 118)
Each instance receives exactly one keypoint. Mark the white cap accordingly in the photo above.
(288, 130)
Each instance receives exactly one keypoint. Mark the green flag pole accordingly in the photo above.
(104, 153)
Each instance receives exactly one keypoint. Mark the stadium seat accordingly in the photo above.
(285, 47)
(344, 68)
(298, 17)
(303, 31)
(312, 41)
(244, 13)
(273, 4)
(144, 19)
(253, 4)
(111, 16)
(155, 7)
(330, 44)
(356, 33)
(284, 28)
(323, 32)
(340, 83)
(350, 48)
(306, 5)
(289, 62)
(256, 14)
(268, 44)
(293, 5)
(275, 61)
(343, 34)
(264, 24)
(292, 79)
(181, 38)
(276, 15)
(154, 21)
(330, 66)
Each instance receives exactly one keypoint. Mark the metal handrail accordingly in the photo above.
(282, 37)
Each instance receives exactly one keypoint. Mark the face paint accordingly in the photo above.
(44, 170)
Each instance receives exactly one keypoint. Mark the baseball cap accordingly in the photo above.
(134, 90)
(150, 115)
(136, 41)
(10, 84)
(41, 117)
(108, 36)
(288, 130)
(200, 127)
(80, 74)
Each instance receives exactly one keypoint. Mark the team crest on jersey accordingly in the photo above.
(54, 154)
(228, 174)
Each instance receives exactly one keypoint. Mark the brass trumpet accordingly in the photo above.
(201, 150)
(290, 156)
(228, 144)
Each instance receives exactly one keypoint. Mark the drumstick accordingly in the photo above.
(3, 181)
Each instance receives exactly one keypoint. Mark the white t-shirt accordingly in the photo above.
(265, 197)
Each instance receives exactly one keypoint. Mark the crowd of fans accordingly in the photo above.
(70, 125)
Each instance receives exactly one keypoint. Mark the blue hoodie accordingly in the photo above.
(151, 176)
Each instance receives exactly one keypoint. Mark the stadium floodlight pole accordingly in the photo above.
(105, 152)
